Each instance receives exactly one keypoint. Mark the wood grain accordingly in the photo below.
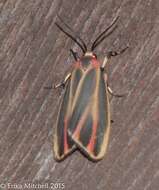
(34, 54)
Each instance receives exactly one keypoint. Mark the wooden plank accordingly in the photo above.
(34, 54)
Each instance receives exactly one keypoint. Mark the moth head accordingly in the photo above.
(90, 54)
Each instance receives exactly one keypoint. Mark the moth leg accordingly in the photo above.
(59, 85)
(111, 54)
(110, 90)
(114, 94)
(105, 62)
(48, 87)
(63, 83)
(115, 53)
(75, 54)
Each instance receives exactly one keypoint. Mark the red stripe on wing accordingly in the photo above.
(80, 124)
(65, 135)
(95, 63)
(92, 141)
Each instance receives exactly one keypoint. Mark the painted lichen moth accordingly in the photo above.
(83, 121)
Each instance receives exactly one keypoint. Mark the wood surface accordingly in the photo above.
(35, 54)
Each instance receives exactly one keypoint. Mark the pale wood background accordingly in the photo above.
(34, 54)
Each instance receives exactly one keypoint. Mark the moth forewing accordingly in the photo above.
(90, 122)
(61, 147)
(63, 144)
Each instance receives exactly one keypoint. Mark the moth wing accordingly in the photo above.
(89, 125)
(63, 144)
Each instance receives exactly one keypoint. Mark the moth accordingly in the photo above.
(83, 120)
